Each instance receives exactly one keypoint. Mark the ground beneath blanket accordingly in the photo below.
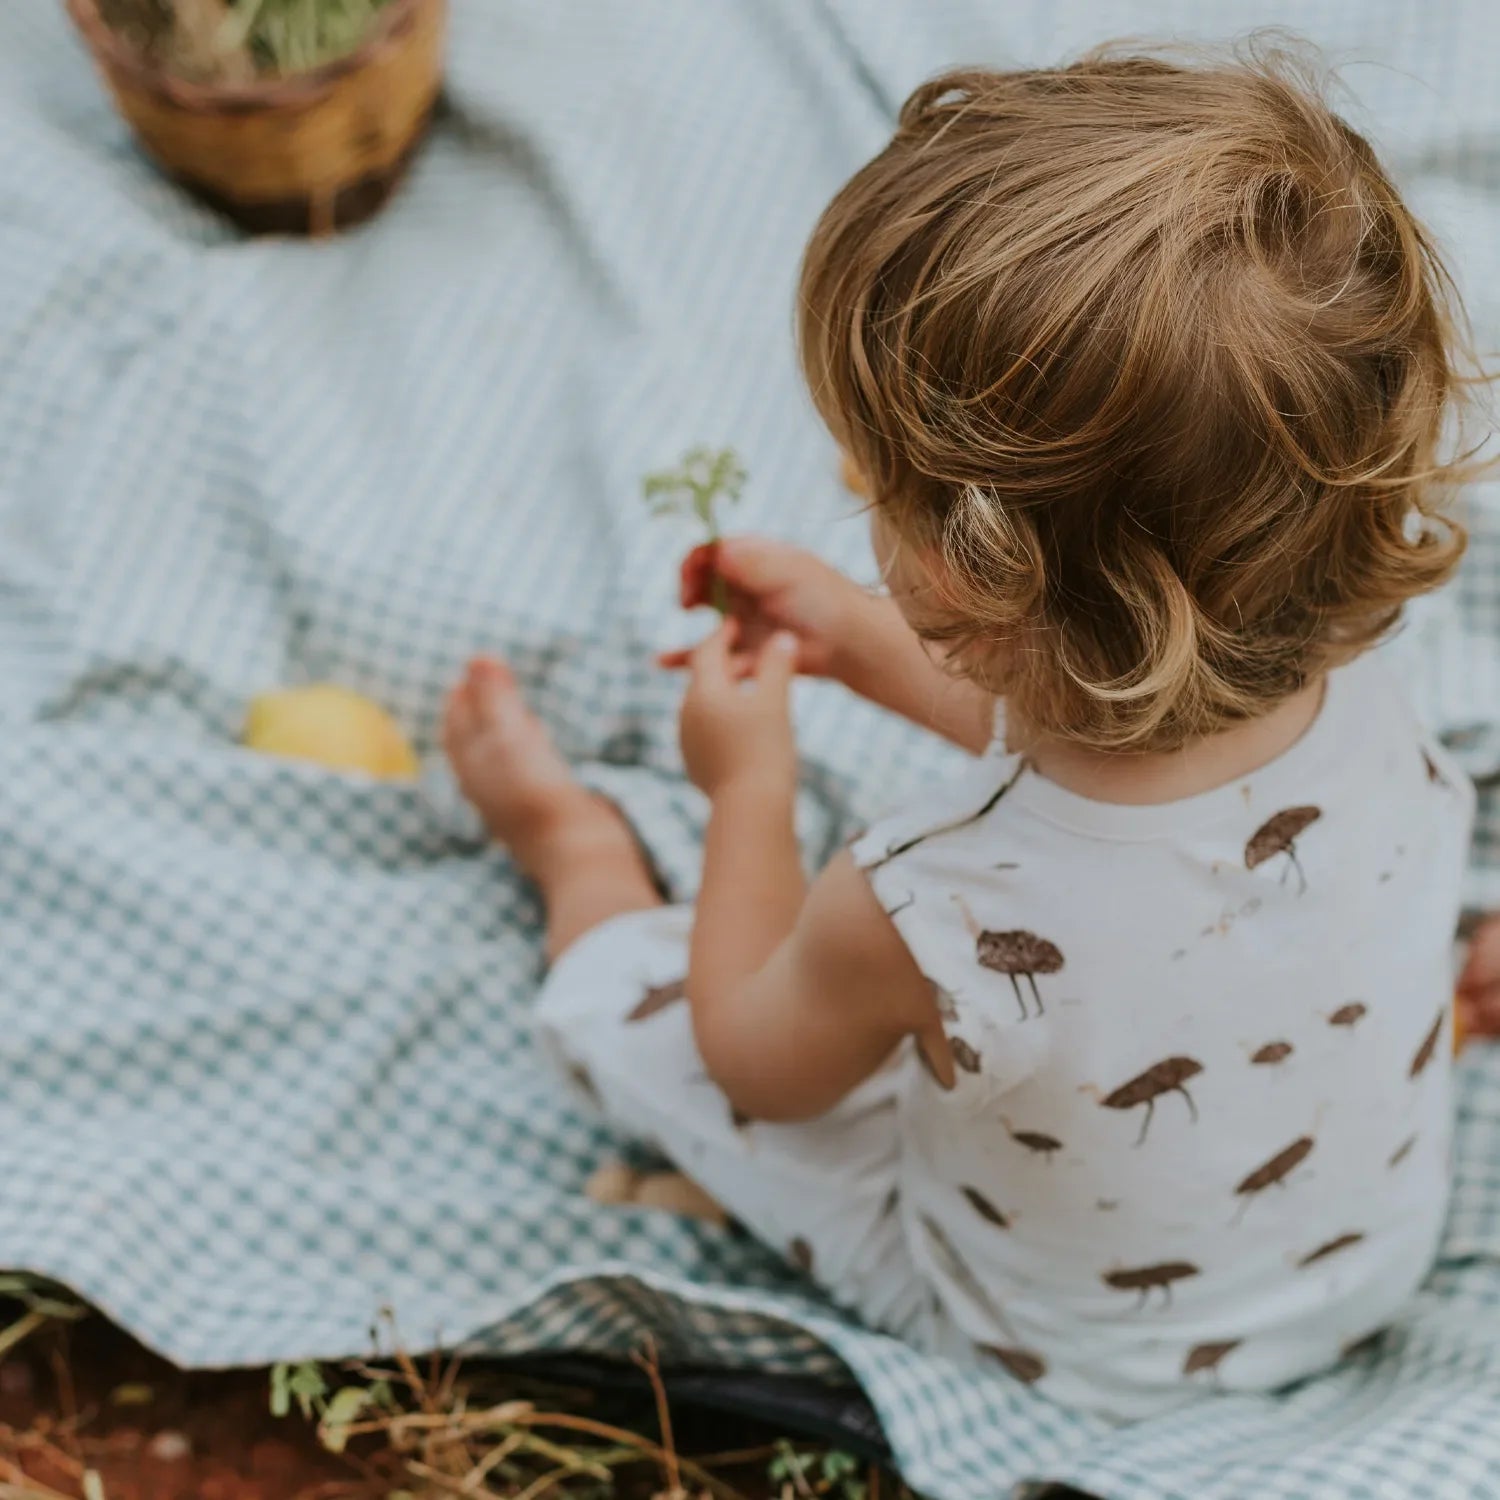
(86, 1413)
(88, 1397)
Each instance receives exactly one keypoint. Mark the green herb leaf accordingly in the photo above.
(838, 1465)
(788, 1465)
(340, 1414)
(290, 36)
(705, 479)
(303, 1383)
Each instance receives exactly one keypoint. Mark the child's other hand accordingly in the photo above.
(736, 724)
(1479, 985)
(775, 587)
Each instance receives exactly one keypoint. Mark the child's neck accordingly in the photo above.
(1169, 776)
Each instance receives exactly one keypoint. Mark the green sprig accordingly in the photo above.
(291, 36)
(705, 479)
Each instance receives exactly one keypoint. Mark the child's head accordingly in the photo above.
(1144, 367)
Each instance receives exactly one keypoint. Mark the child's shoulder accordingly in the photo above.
(1033, 912)
(1375, 754)
(1365, 787)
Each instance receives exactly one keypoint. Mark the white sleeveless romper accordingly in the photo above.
(1199, 1135)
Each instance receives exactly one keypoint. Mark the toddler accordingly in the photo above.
(1121, 1063)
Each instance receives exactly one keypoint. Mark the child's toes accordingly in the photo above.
(491, 673)
(487, 677)
(458, 720)
(492, 690)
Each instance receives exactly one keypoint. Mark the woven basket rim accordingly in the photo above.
(111, 49)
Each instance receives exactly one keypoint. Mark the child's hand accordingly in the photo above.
(774, 586)
(1479, 985)
(736, 724)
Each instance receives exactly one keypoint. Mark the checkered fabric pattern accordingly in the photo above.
(264, 1067)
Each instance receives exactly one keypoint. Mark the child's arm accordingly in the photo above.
(884, 660)
(842, 632)
(796, 995)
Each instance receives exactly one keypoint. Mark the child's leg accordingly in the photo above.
(574, 845)
(825, 1194)
(612, 1012)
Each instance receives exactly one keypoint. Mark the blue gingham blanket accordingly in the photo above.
(263, 1056)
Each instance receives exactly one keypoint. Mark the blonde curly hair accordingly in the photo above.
(1149, 364)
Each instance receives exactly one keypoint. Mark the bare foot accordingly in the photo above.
(671, 1192)
(511, 771)
(616, 1185)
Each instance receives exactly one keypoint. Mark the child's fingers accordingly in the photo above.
(751, 567)
(711, 659)
(1487, 1016)
(458, 716)
(755, 565)
(776, 665)
(1482, 970)
(696, 581)
(1480, 1010)
(742, 663)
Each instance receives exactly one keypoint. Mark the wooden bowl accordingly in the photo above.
(304, 154)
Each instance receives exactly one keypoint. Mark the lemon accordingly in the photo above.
(331, 726)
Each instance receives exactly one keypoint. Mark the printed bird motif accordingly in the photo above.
(1272, 1053)
(1332, 1247)
(1016, 953)
(1166, 1077)
(1038, 1142)
(1274, 1172)
(1278, 835)
(964, 1056)
(1144, 1280)
(657, 998)
(985, 1209)
(1209, 1357)
(1026, 1366)
(1428, 1049)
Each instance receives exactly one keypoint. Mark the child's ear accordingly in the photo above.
(854, 481)
(917, 575)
